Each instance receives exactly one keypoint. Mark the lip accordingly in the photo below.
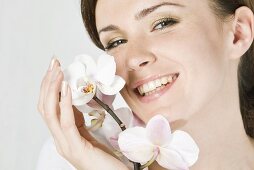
(157, 94)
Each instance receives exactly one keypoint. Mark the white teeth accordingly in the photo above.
(157, 83)
(140, 90)
(164, 80)
(153, 86)
(145, 88)
(170, 79)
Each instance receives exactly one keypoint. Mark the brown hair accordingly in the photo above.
(223, 9)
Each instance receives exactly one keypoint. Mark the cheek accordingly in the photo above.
(201, 61)
(119, 54)
(119, 66)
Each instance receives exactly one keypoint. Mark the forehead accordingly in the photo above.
(114, 9)
(122, 5)
(120, 10)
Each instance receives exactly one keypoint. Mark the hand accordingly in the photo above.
(65, 123)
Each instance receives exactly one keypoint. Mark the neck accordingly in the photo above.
(218, 129)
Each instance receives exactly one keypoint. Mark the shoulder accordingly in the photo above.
(49, 159)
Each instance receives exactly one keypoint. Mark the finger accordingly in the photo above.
(45, 83)
(67, 119)
(51, 104)
(41, 97)
(49, 77)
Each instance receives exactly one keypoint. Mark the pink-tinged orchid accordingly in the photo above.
(110, 128)
(85, 76)
(176, 151)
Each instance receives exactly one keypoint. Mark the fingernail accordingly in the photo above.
(53, 60)
(64, 88)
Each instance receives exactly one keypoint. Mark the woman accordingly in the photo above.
(197, 47)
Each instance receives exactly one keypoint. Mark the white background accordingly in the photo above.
(31, 31)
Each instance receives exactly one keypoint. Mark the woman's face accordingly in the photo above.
(172, 54)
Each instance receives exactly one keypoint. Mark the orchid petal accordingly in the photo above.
(106, 69)
(79, 98)
(96, 120)
(84, 108)
(110, 129)
(95, 105)
(84, 93)
(136, 121)
(135, 146)
(119, 102)
(114, 88)
(125, 115)
(185, 146)
(158, 130)
(170, 159)
(114, 143)
(73, 72)
(87, 62)
(75, 75)
(88, 119)
(107, 99)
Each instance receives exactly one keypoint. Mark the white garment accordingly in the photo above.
(49, 159)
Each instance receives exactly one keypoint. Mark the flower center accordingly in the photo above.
(88, 89)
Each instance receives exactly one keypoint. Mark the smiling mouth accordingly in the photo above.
(156, 86)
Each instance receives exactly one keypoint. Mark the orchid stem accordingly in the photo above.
(147, 164)
(137, 166)
(107, 108)
(118, 121)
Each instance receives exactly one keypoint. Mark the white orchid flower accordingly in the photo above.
(85, 75)
(155, 142)
(94, 119)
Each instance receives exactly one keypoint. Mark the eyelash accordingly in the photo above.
(165, 22)
(115, 44)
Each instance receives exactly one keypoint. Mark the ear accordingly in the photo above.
(243, 30)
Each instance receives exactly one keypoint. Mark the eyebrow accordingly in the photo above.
(108, 28)
(142, 14)
(147, 11)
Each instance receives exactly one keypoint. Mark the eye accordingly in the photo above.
(164, 23)
(115, 44)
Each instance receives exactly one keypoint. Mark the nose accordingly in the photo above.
(139, 57)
